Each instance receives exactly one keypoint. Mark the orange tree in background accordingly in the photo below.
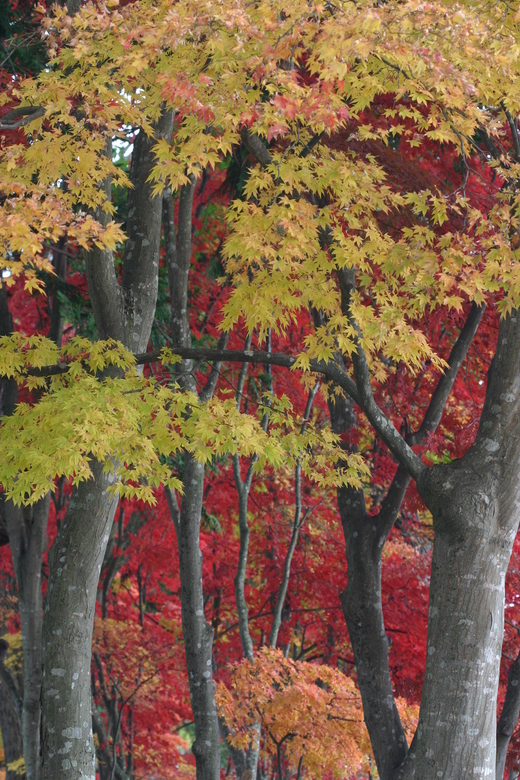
(310, 712)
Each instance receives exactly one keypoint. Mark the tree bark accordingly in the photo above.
(198, 634)
(243, 760)
(243, 487)
(363, 611)
(74, 566)
(27, 532)
(11, 731)
(297, 524)
(473, 542)
(474, 502)
(140, 279)
(27, 529)
(361, 601)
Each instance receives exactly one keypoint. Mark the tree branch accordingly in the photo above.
(179, 259)
(391, 504)
(254, 145)
(380, 422)
(104, 289)
(238, 756)
(173, 506)
(457, 356)
(99, 729)
(19, 117)
(329, 369)
(297, 524)
(140, 277)
(247, 760)
(209, 388)
(242, 488)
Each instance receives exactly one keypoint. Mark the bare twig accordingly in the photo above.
(243, 487)
(297, 524)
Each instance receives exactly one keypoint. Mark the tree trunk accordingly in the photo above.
(11, 732)
(362, 606)
(74, 566)
(474, 502)
(361, 602)
(27, 530)
(198, 634)
(473, 543)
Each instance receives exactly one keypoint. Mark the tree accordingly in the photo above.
(26, 531)
(306, 233)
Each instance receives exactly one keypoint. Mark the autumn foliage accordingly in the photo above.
(381, 155)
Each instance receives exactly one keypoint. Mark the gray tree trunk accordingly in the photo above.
(198, 634)
(365, 537)
(473, 541)
(27, 530)
(475, 506)
(11, 731)
(74, 566)
(474, 502)
(363, 610)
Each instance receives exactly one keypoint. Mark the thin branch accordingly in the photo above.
(201, 354)
(243, 487)
(206, 394)
(220, 634)
(297, 524)
(391, 504)
(457, 356)
(380, 422)
(173, 506)
(329, 369)
(243, 372)
(101, 674)
(99, 730)
(124, 702)
(360, 391)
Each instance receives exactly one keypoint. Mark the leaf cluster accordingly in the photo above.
(290, 76)
(101, 407)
